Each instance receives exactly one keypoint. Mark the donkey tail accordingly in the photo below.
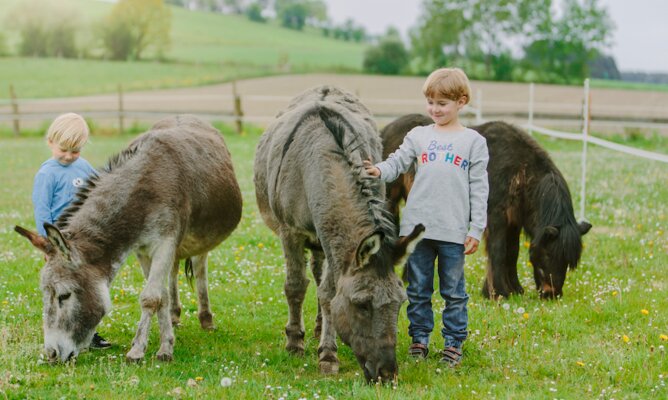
(188, 267)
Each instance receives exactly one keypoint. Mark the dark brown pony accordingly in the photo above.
(528, 192)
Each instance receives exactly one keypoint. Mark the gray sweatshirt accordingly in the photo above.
(449, 195)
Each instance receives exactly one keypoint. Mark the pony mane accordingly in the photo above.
(114, 162)
(556, 209)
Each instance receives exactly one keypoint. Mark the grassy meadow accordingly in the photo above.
(605, 339)
(205, 48)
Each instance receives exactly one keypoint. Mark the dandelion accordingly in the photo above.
(527, 244)
(226, 382)
(199, 378)
(525, 315)
(614, 293)
(520, 310)
(506, 306)
(663, 337)
(260, 245)
(625, 339)
(580, 363)
(644, 312)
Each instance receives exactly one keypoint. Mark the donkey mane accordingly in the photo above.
(559, 213)
(351, 151)
(114, 162)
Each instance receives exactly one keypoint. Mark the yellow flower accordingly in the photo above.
(614, 293)
(625, 339)
(663, 337)
(644, 312)
(580, 363)
(525, 315)
(527, 244)
(5, 302)
(260, 245)
(199, 378)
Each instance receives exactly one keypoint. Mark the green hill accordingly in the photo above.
(206, 48)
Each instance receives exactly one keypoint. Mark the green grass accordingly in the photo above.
(206, 48)
(573, 348)
(610, 84)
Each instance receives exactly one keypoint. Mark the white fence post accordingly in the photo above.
(531, 89)
(585, 135)
(478, 109)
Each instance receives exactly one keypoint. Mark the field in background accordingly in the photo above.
(606, 338)
(206, 48)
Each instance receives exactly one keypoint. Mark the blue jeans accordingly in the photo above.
(420, 269)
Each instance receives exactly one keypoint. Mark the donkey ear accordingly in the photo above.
(37, 240)
(57, 240)
(368, 247)
(405, 246)
(584, 227)
(551, 232)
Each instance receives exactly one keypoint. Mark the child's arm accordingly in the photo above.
(42, 197)
(397, 163)
(478, 188)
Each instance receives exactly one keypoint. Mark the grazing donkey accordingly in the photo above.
(313, 192)
(172, 194)
(526, 191)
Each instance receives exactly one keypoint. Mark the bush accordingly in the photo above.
(254, 13)
(389, 57)
(45, 30)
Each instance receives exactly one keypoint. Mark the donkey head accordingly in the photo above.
(553, 251)
(75, 297)
(366, 306)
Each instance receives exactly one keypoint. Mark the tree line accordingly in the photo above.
(560, 41)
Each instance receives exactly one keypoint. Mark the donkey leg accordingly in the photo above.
(328, 361)
(202, 282)
(166, 350)
(317, 258)
(295, 286)
(140, 341)
(174, 301)
(153, 297)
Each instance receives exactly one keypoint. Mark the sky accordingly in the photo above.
(640, 38)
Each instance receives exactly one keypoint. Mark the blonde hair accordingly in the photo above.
(449, 83)
(69, 131)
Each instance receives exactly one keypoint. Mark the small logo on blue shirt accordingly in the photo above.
(77, 182)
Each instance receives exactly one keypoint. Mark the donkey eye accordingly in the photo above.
(63, 297)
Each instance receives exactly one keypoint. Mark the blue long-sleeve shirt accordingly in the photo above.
(449, 194)
(54, 188)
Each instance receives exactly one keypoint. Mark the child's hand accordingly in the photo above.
(370, 169)
(470, 245)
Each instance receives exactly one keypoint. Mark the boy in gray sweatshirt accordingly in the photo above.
(448, 196)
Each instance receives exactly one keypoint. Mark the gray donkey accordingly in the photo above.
(313, 192)
(172, 194)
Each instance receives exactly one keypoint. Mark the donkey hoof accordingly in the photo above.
(167, 357)
(206, 321)
(296, 349)
(329, 367)
(134, 356)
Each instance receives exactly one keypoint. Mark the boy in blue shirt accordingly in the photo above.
(449, 196)
(59, 177)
